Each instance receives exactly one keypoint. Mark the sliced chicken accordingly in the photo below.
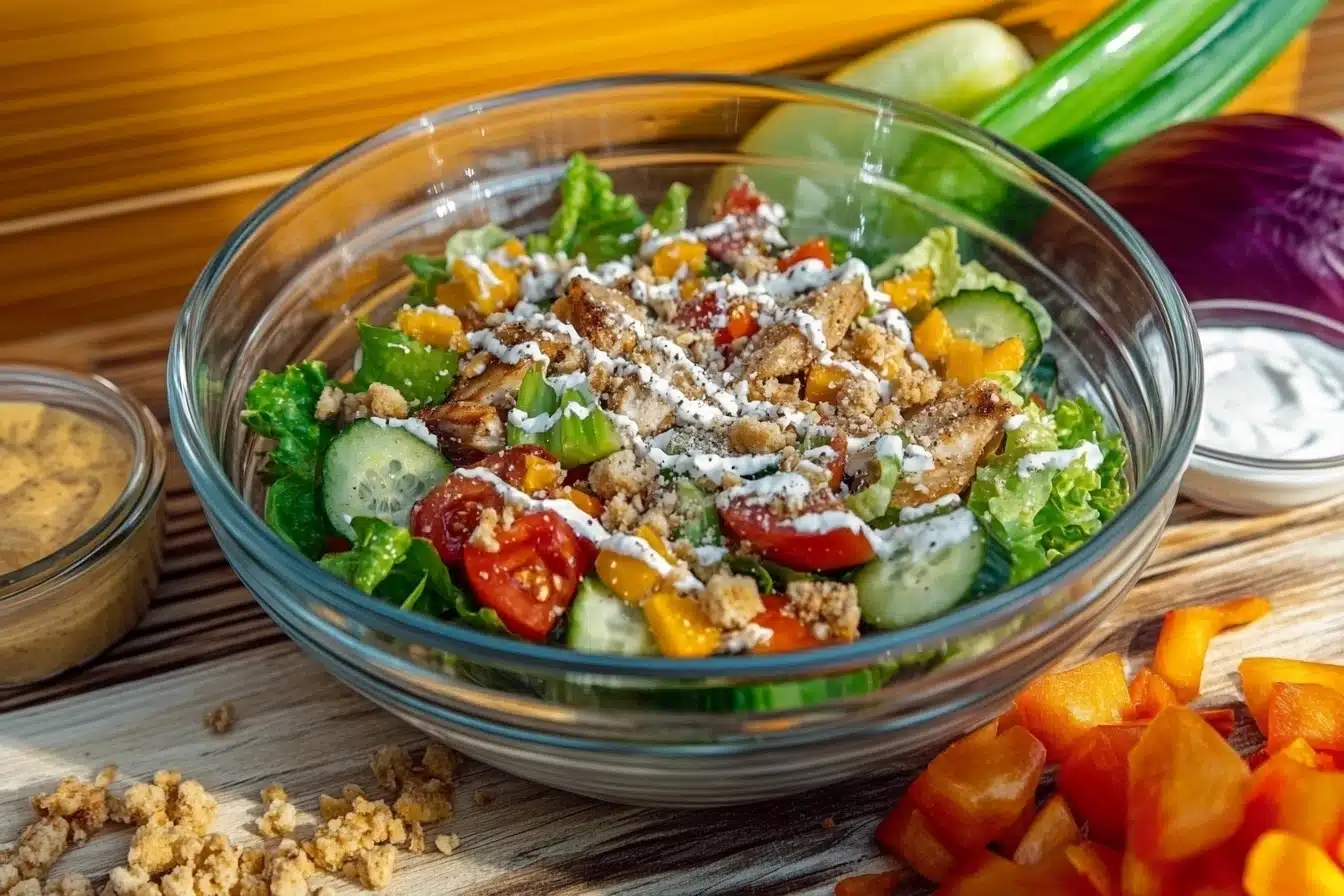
(466, 430)
(956, 429)
(497, 384)
(601, 315)
(788, 348)
(649, 412)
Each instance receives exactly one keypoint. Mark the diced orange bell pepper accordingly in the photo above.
(1310, 712)
(1282, 864)
(991, 875)
(884, 883)
(1007, 841)
(1300, 751)
(490, 286)
(589, 504)
(910, 291)
(1060, 706)
(630, 577)
(1051, 830)
(1010, 718)
(433, 327)
(932, 336)
(824, 382)
(1291, 796)
(1094, 777)
(818, 248)
(1005, 357)
(1097, 864)
(906, 833)
(670, 257)
(788, 633)
(1187, 788)
(965, 360)
(1150, 693)
(976, 788)
(1186, 634)
(539, 473)
(679, 626)
(1260, 674)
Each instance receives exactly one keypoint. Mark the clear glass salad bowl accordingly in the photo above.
(291, 281)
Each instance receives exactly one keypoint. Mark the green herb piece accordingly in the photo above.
(429, 274)
(421, 373)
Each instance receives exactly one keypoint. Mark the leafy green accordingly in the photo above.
(592, 219)
(938, 251)
(292, 513)
(421, 582)
(874, 500)
(477, 241)
(472, 614)
(421, 373)
(429, 274)
(670, 214)
(1049, 513)
(701, 518)
(378, 547)
(840, 249)
(752, 566)
(283, 406)
(578, 431)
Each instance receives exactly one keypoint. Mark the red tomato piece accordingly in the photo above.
(884, 883)
(741, 322)
(448, 514)
(775, 536)
(789, 633)
(533, 575)
(815, 248)
(742, 198)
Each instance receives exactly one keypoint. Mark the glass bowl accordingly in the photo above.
(289, 283)
(1247, 484)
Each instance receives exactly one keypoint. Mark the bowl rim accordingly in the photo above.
(230, 512)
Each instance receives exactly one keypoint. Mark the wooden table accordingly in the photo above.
(205, 641)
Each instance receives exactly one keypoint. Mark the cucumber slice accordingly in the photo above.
(378, 471)
(989, 316)
(899, 592)
(600, 622)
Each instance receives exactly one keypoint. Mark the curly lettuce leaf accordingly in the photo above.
(292, 512)
(1047, 514)
(283, 406)
(378, 548)
(421, 373)
(670, 214)
(592, 218)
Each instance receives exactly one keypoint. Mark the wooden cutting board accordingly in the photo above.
(205, 641)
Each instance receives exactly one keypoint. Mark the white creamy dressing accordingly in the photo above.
(1058, 460)
(1014, 423)
(924, 511)
(413, 425)
(1271, 394)
(587, 527)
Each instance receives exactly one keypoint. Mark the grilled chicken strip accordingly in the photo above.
(783, 349)
(956, 429)
(466, 430)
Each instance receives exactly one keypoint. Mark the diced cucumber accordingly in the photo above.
(989, 316)
(600, 622)
(900, 591)
(378, 471)
(701, 518)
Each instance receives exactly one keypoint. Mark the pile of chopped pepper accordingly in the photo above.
(1149, 798)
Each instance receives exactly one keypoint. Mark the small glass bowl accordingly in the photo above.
(1242, 484)
(71, 605)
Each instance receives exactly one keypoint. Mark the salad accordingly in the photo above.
(630, 436)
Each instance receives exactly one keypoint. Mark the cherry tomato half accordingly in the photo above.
(533, 575)
(776, 538)
(788, 632)
(742, 198)
(700, 313)
(816, 248)
(511, 464)
(448, 514)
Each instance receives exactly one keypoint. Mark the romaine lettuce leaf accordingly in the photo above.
(387, 562)
(670, 214)
(292, 513)
(421, 373)
(283, 406)
(379, 546)
(592, 219)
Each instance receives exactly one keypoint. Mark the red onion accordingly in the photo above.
(1244, 207)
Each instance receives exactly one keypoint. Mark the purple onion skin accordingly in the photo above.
(1240, 207)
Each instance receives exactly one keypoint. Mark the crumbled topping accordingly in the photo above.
(280, 819)
(391, 766)
(622, 473)
(220, 719)
(482, 798)
(446, 843)
(835, 604)
(385, 401)
(376, 866)
(440, 762)
(731, 601)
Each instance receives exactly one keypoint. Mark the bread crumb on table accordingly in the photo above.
(446, 843)
(482, 798)
(220, 719)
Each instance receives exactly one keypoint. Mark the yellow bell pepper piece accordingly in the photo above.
(628, 576)
(513, 247)
(589, 504)
(910, 291)
(433, 328)
(671, 256)
(933, 336)
(539, 474)
(491, 286)
(965, 361)
(823, 383)
(1007, 356)
(679, 626)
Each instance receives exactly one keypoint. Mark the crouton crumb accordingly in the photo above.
(376, 866)
(272, 792)
(731, 601)
(279, 819)
(832, 604)
(220, 719)
(482, 798)
(391, 766)
(622, 473)
(386, 401)
(827, 823)
(446, 843)
(440, 762)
